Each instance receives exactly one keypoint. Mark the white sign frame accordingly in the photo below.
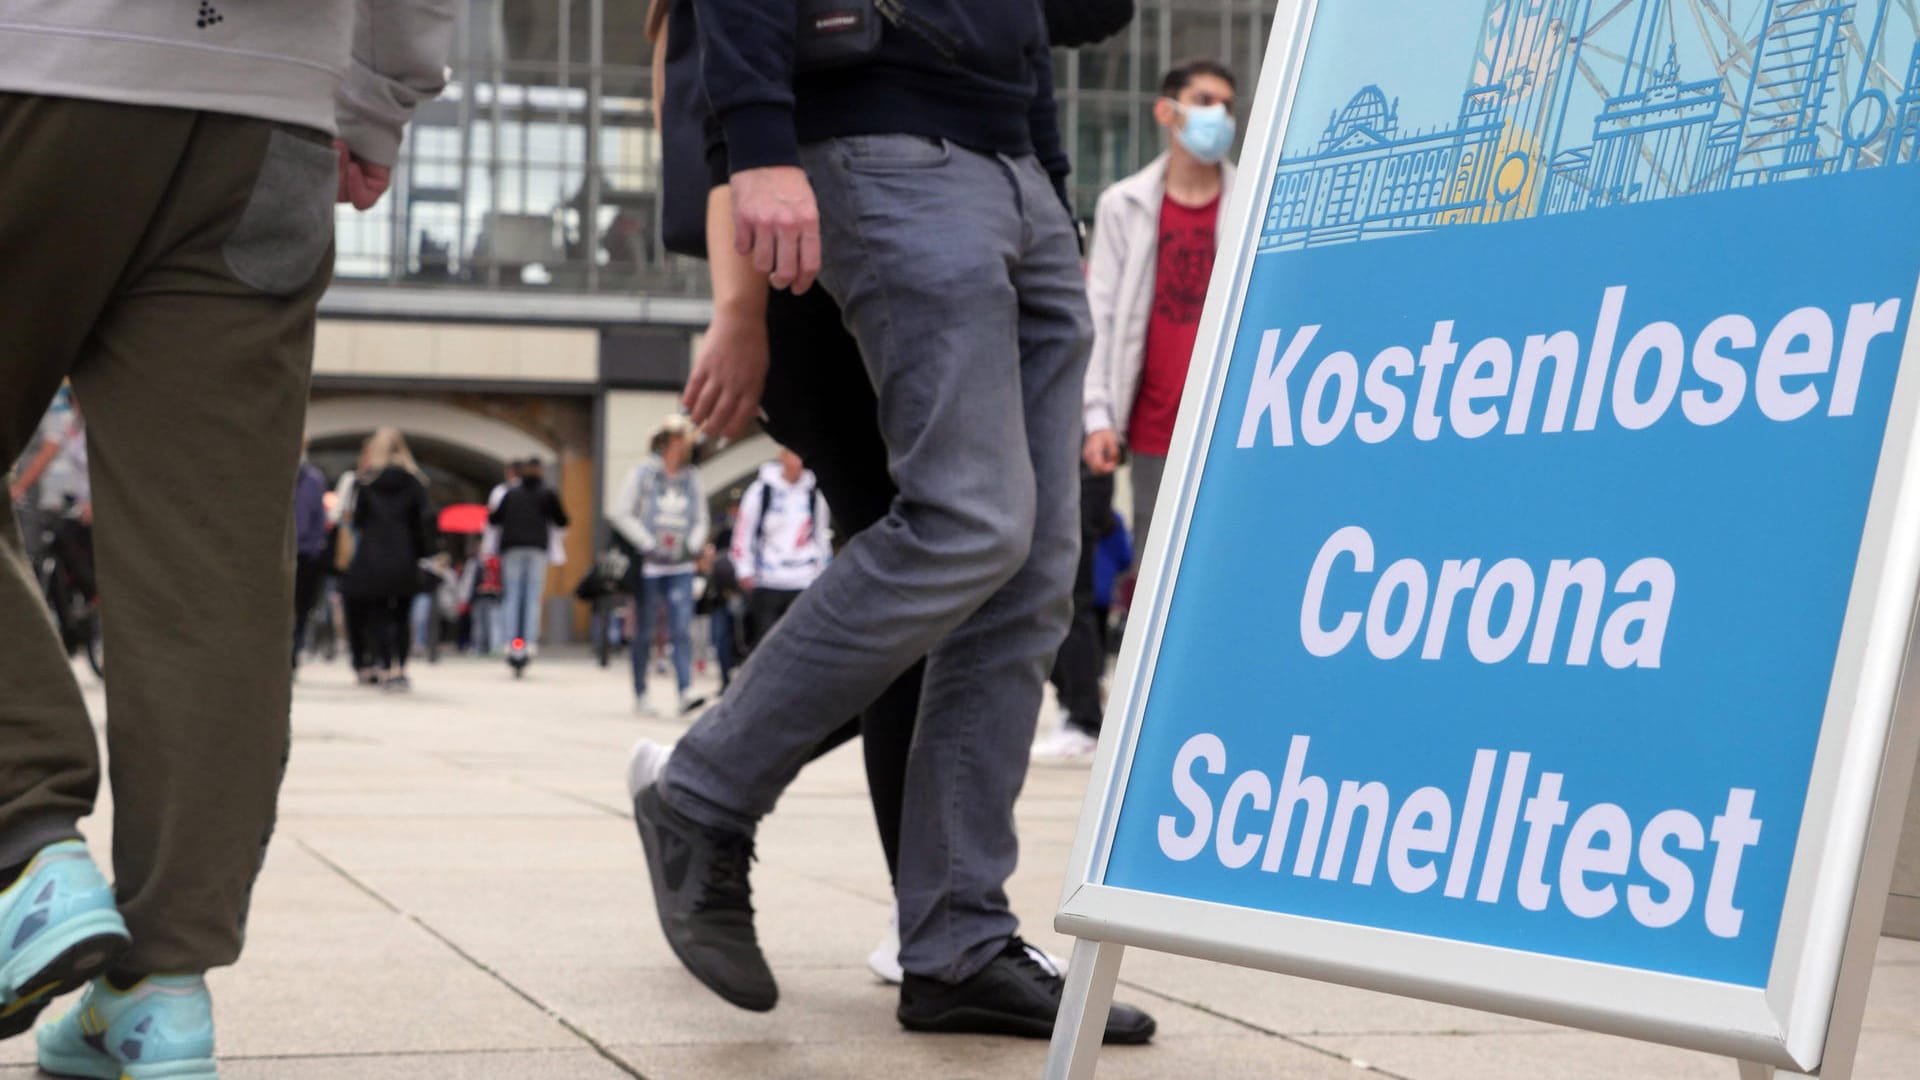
(1840, 875)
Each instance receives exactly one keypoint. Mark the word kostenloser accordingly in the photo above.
(1489, 386)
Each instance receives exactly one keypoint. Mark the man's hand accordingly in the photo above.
(1102, 452)
(775, 220)
(746, 584)
(723, 395)
(361, 181)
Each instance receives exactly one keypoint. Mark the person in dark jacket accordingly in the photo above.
(390, 513)
(937, 157)
(310, 547)
(526, 516)
(1082, 660)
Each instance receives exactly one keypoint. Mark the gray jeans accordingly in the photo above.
(959, 276)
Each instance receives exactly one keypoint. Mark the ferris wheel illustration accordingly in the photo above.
(1815, 85)
(1577, 105)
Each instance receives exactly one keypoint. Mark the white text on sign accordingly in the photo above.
(1473, 396)
(1347, 836)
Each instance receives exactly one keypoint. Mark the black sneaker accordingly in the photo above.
(706, 906)
(1017, 994)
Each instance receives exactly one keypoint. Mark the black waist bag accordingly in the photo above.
(835, 33)
(831, 34)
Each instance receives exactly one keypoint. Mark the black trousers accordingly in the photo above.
(357, 611)
(310, 572)
(764, 608)
(1082, 659)
(820, 404)
(384, 632)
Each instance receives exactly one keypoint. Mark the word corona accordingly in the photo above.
(1632, 636)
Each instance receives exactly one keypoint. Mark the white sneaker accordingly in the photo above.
(644, 766)
(646, 710)
(1067, 746)
(885, 959)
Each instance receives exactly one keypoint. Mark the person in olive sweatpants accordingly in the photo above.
(166, 218)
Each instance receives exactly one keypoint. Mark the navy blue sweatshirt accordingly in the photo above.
(978, 73)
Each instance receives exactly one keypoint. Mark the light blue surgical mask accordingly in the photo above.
(1207, 133)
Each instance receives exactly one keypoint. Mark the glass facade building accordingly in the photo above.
(538, 170)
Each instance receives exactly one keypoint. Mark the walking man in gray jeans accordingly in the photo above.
(933, 152)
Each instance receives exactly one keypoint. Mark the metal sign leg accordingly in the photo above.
(1752, 1070)
(1082, 1023)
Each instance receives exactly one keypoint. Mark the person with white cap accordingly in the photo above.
(661, 512)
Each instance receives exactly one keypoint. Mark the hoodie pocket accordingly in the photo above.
(286, 230)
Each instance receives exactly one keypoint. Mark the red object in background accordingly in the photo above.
(464, 519)
(491, 583)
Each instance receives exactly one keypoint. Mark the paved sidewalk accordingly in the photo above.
(456, 893)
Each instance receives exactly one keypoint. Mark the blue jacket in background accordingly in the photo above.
(1113, 557)
(310, 511)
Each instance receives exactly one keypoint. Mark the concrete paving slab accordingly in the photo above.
(668, 1007)
(553, 1065)
(943, 1057)
(1561, 1055)
(1293, 1006)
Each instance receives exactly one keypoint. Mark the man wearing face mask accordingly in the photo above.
(1153, 246)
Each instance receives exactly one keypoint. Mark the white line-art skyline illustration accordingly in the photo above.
(1577, 105)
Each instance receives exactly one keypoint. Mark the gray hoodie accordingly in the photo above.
(663, 516)
(353, 68)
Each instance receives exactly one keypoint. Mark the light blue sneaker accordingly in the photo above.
(161, 1029)
(58, 928)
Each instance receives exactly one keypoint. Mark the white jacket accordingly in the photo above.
(1120, 277)
(782, 540)
(356, 68)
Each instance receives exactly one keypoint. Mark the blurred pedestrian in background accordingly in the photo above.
(527, 515)
(50, 479)
(722, 601)
(391, 524)
(1080, 667)
(782, 542)
(1154, 238)
(661, 512)
(310, 530)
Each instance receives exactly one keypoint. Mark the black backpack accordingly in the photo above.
(766, 497)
